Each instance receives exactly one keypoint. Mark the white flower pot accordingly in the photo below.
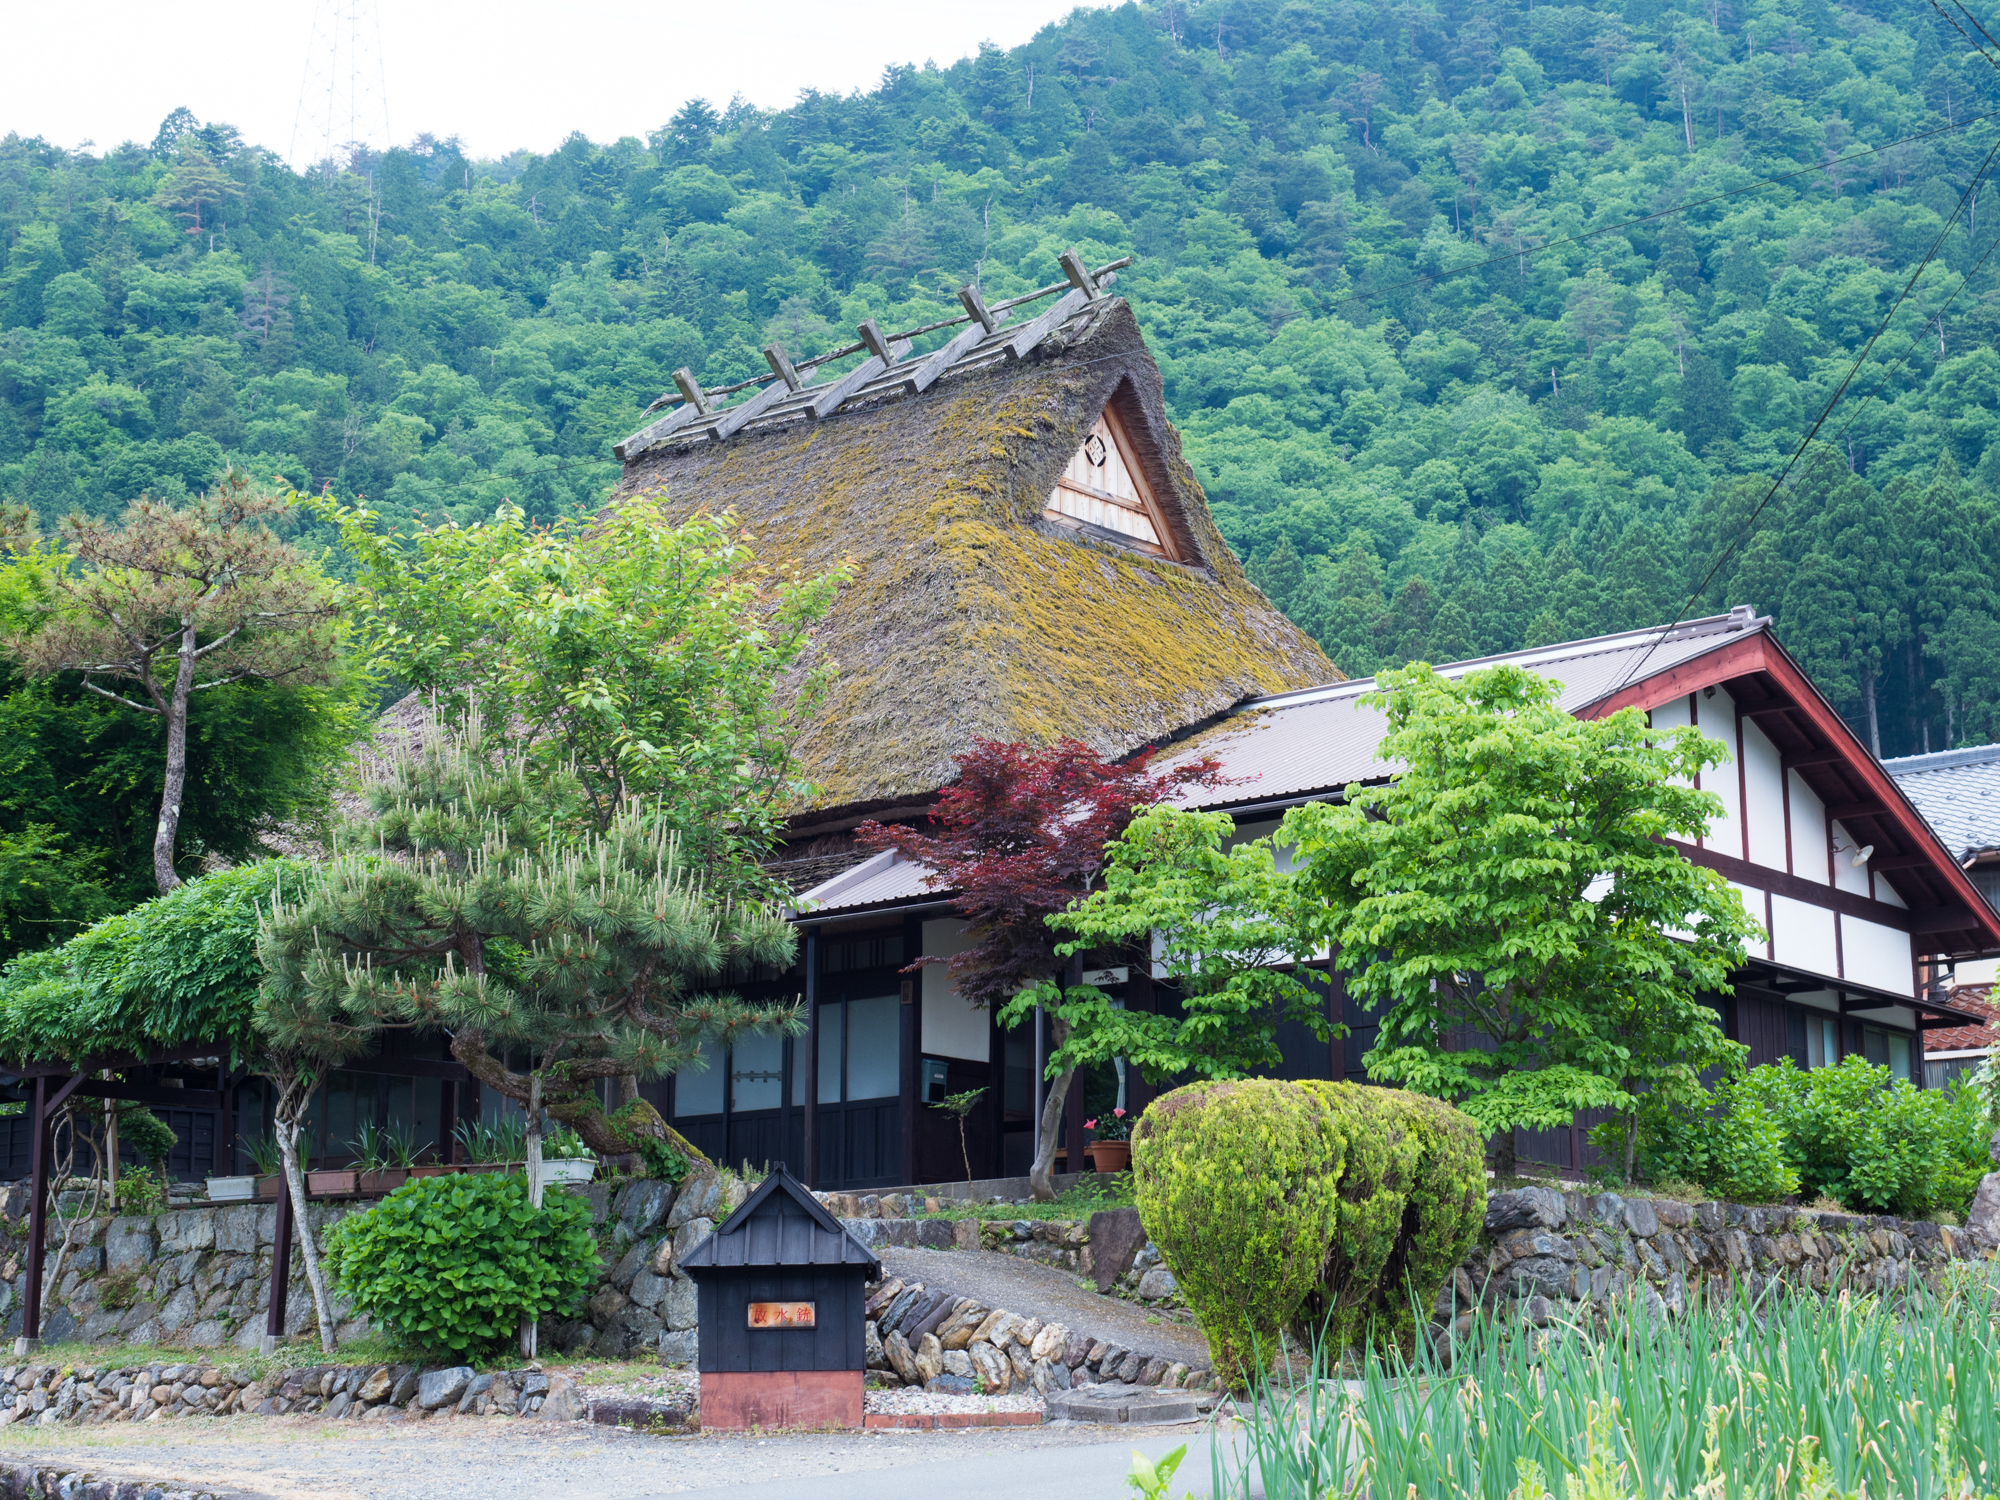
(231, 1189)
(564, 1171)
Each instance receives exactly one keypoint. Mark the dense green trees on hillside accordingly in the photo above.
(1439, 410)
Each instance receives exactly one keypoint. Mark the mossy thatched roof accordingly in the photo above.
(970, 614)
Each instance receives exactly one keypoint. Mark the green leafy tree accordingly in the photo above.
(470, 902)
(172, 604)
(1506, 906)
(639, 659)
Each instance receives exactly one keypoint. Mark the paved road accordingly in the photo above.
(283, 1458)
(1034, 1290)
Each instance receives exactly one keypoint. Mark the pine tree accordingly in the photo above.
(464, 903)
(1678, 265)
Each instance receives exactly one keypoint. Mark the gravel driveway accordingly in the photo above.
(497, 1458)
(1034, 1290)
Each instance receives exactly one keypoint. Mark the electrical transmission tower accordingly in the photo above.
(343, 111)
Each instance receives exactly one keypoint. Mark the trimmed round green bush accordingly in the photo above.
(1329, 1210)
(1238, 1185)
(452, 1264)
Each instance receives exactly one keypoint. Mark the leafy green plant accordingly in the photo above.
(561, 1143)
(181, 968)
(1852, 1133)
(1239, 1184)
(1149, 1478)
(453, 1263)
(146, 1133)
(266, 1159)
(141, 1190)
(486, 1141)
(959, 1106)
(1316, 1209)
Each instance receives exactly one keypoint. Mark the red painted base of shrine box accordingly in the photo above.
(737, 1399)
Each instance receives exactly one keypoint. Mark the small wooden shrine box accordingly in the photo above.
(780, 1289)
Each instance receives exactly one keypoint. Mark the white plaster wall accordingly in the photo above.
(1876, 955)
(1846, 874)
(952, 1027)
(1764, 780)
(1716, 718)
(1673, 714)
(1808, 831)
(1803, 936)
(1886, 892)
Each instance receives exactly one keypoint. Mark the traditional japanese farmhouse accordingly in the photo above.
(1034, 559)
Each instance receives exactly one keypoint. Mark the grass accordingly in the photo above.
(1078, 1202)
(1849, 1398)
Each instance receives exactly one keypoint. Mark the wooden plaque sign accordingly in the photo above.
(783, 1314)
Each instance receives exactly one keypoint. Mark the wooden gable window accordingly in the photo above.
(1103, 491)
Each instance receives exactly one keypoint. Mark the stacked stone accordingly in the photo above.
(646, 1300)
(36, 1481)
(44, 1395)
(917, 1336)
(1562, 1253)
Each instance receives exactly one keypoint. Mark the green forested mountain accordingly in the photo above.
(1438, 410)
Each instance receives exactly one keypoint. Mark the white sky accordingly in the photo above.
(500, 74)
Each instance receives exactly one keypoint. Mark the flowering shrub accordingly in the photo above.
(1116, 1126)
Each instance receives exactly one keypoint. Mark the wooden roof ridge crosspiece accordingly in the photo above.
(786, 392)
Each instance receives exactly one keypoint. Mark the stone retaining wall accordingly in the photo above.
(28, 1481)
(1558, 1254)
(201, 1277)
(956, 1345)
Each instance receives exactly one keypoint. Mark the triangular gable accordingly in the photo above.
(1103, 490)
(833, 1245)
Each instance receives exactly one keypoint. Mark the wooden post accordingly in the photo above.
(810, 1142)
(447, 1149)
(281, 1270)
(224, 1154)
(996, 1094)
(38, 1220)
(910, 1064)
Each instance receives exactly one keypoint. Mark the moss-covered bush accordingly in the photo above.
(1238, 1183)
(1327, 1209)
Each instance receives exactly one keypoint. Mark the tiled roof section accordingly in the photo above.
(1298, 744)
(1973, 997)
(1958, 791)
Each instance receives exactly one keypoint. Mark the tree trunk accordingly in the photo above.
(581, 1111)
(1041, 1177)
(530, 1328)
(295, 1183)
(167, 832)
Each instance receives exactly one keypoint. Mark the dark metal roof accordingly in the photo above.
(1958, 791)
(780, 1224)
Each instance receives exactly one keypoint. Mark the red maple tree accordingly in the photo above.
(1017, 838)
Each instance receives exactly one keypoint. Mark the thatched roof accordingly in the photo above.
(972, 613)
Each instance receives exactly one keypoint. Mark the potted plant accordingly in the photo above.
(270, 1164)
(333, 1182)
(1111, 1141)
(565, 1158)
(382, 1159)
(501, 1146)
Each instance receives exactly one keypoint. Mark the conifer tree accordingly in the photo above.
(478, 899)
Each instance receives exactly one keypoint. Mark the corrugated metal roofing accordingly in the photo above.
(1318, 740)
(885, 878)
(780, 1224)
(1958, 792)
